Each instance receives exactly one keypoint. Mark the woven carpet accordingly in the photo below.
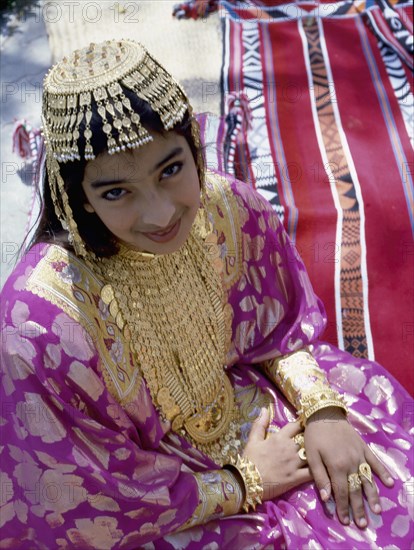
(318, 116)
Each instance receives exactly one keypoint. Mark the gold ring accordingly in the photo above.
(299, 439)
(365, 471)
(354, 482)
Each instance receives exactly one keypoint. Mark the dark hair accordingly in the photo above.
(92, 230)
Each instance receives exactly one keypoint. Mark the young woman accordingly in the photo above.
(164, 385)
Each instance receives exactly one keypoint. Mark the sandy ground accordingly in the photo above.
(25, 58)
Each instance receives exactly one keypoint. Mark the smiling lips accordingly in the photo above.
(166, 235)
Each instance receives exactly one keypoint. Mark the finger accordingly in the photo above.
(291, 429)
(341, 494)
(378, 467)
(259, 427)
(371, 493)
(302, 458)
(320, 475)
(357, 506)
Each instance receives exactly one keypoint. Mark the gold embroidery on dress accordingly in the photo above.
(66, 282)
(219, 494)
(228, 217)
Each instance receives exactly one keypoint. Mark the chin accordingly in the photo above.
(141, 243)
(146, 245)
(166, 248)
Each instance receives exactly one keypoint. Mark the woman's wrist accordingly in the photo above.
(324, 399)
(327, 414)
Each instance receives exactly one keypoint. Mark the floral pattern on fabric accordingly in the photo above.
(86, 466)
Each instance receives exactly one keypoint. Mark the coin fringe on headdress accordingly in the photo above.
(96, 74)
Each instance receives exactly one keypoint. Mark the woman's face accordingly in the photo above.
(147, 197)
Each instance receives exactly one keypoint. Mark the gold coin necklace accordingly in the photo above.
(170, 308)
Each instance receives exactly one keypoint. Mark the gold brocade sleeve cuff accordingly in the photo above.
(220, 494)
(303, 383)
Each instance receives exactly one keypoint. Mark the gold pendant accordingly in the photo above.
(209, 425)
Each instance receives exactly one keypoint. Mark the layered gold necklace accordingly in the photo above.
(170, 308)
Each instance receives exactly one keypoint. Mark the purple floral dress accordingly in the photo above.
(86, 460)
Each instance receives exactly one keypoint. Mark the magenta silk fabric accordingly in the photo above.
(81, 471)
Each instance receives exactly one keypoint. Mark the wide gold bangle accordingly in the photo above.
(253, 484)
(319, 400)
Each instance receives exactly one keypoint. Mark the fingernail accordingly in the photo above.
(390, 480)
(324, 494)
(377, 508)
(363, 522)
(346, 520)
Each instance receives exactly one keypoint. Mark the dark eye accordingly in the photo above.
(171, 170)
(114, 194)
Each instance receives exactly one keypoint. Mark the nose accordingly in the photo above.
(156, 213)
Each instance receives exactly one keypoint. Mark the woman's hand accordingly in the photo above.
(334, 450)
(276, 457)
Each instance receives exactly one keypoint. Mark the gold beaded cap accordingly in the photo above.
(95, 73)
(93, 79)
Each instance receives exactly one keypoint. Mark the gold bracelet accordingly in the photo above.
(253, 484)
(320, 400)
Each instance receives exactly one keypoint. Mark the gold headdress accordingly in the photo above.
(96, 76)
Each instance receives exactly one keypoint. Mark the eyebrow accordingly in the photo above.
(102, 183)
(176, 151)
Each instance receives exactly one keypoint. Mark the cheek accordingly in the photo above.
(189, 196)
(116, 219)
(192, 188)
(90, 195)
